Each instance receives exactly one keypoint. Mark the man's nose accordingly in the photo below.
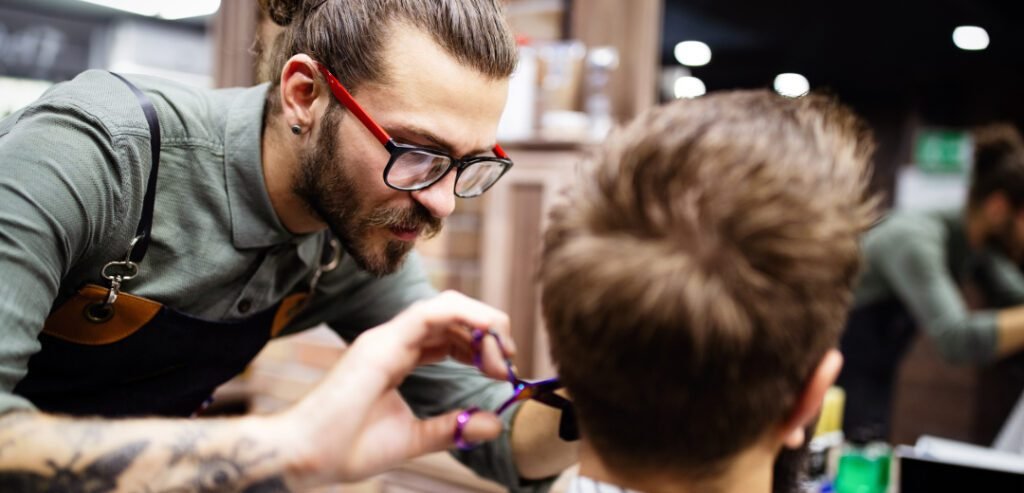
(439, 198)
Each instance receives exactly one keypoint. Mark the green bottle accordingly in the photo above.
(864, 468)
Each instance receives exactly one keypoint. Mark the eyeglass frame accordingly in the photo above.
(396, 150)
(542, 391)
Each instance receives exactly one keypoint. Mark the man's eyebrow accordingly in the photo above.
(412, 130)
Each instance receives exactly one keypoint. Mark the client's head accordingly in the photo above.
(696, 279)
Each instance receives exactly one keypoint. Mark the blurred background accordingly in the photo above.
(922, 73)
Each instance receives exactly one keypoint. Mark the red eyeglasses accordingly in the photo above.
(412, 168)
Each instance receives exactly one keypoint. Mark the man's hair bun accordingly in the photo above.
(992, 143)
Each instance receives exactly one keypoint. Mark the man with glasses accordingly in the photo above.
(153, 237)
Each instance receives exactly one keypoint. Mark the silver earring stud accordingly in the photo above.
(297, 130)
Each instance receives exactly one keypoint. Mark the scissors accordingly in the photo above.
(542, 391)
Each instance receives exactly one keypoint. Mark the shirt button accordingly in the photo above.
(244, 306)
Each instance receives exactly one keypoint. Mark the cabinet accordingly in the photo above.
(513, 220)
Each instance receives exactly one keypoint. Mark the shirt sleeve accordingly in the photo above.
(1004, 282)
(913, 262)
(56, 188)
(435, 389)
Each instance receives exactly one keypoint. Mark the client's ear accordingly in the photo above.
(808, 404)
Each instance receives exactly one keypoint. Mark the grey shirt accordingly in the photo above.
(923, 259)
(73, 171)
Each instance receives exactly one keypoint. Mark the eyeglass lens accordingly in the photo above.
(415, 170)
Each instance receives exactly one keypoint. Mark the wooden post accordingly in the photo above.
(634, 28)
(234, 30)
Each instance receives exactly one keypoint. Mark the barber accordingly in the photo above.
(953, 273)
(154, 237)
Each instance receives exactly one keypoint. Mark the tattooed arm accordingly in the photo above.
(48, 453)
(353, 425)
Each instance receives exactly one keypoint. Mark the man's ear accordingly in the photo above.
(808, 403)
(299, 91)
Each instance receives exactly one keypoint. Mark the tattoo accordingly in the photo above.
(272, 485)
(216, 472)
(191, 466)
(85, 436)
(11, 420)
(186, 445)
(98, 477)
(8, 425)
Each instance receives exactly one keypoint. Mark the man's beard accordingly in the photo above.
(330, 192)
(1004, 241)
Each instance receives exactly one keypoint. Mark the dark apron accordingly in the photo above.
(875, 339)
(109, 353)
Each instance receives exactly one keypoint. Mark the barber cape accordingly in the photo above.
(583, 484)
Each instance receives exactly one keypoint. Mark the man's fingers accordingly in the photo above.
(443, 323)
(438, 433)
(482, 427)
(451, 309)
(492, 360)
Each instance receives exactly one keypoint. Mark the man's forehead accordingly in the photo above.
(421, 134)
(430, 93)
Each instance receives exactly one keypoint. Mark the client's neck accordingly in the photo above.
(749, 472)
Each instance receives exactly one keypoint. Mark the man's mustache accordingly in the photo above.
(417, 217)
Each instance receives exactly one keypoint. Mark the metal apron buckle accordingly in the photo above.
(116, 272)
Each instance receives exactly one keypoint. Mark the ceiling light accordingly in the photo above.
(791, 85)
(972, 38)
(689, 87)
(178, 9)
(693, 53)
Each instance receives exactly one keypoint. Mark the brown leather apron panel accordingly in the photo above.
(71, 323)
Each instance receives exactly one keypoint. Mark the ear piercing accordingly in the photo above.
(296, 129)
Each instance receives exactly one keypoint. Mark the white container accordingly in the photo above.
(518, 120)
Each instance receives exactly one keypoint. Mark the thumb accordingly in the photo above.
(438, 433)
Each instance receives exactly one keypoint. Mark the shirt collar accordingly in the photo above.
(254, 223)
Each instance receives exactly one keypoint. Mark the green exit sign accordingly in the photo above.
(943, 151)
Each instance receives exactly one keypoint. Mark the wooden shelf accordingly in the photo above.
(547, 145)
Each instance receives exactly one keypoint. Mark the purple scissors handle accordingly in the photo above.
(542, 391)
(478, 351)
(460, 428)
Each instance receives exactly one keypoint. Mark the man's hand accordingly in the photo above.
(354, 424)
(351, 426)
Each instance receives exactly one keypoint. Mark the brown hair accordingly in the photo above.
(998, 164)
(348, 35)
(700, 270)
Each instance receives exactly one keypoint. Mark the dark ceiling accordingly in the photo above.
(871, 53)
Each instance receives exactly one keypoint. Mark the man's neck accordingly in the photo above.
(975, 230)
(749, 472)
(280, 169)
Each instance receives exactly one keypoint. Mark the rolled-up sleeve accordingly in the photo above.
(57, 189)
(438, 388)
(1005, 281)
(913, 262)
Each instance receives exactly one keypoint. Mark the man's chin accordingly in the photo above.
(383, 261)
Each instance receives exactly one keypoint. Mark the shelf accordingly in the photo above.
(546, 145)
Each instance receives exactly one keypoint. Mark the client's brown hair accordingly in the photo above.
(700, 269)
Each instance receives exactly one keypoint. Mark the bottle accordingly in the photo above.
(518, 121)
(601, 61)
(864, 464)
